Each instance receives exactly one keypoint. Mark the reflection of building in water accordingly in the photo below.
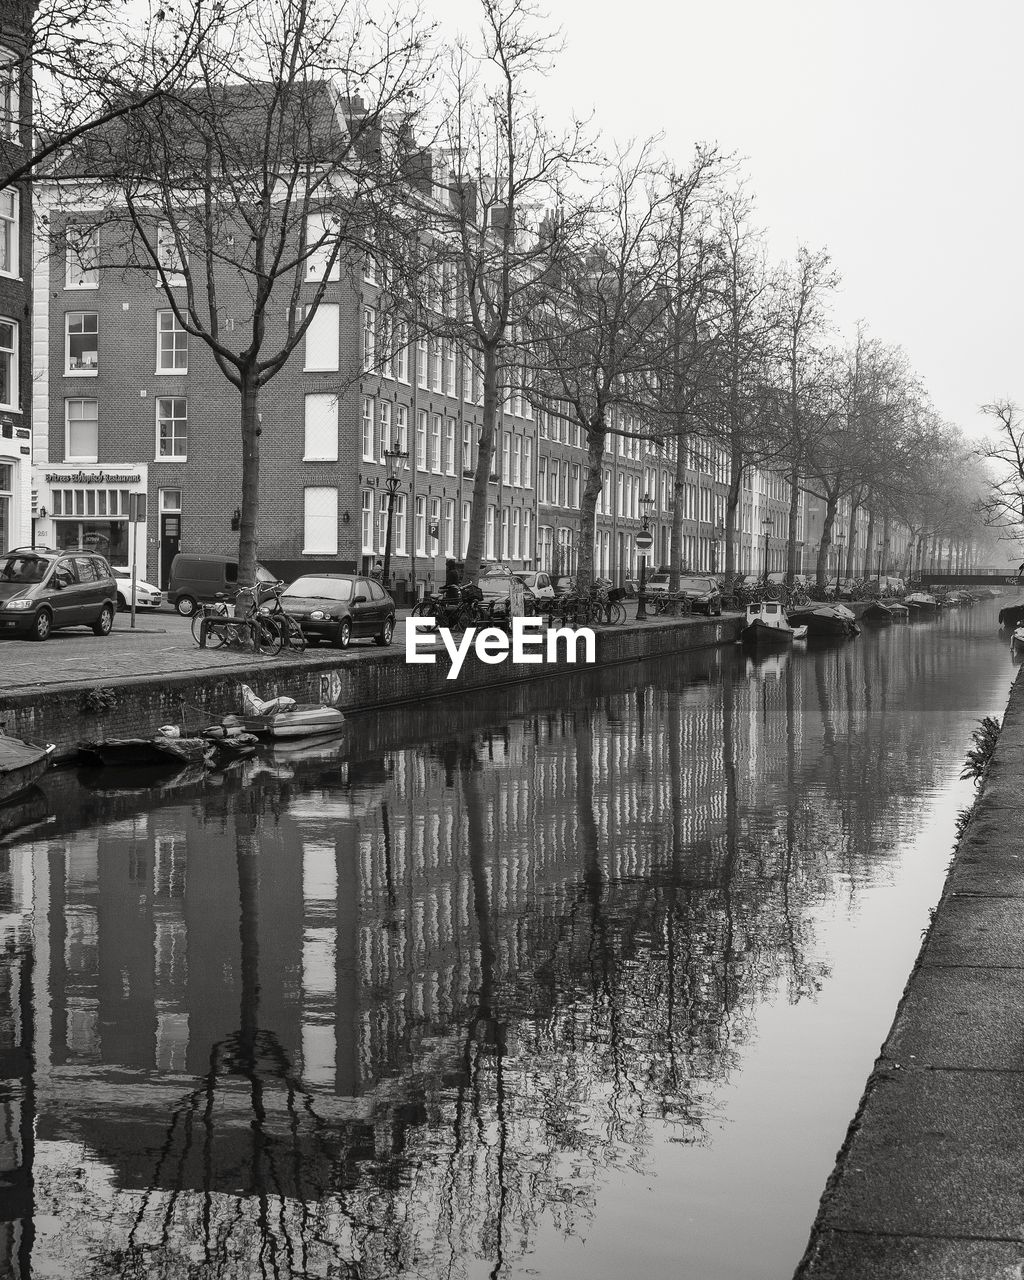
(16, 1055)
(482, 960)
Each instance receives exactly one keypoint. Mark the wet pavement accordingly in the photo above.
(580, 977)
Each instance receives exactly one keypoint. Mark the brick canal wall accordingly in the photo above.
(106, 707)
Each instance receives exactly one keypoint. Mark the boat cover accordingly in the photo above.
(15, 753)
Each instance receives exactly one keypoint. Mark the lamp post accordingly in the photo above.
(643, 543)
(393, 458)
(766, 525)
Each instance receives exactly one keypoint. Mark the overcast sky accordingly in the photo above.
(888, 131)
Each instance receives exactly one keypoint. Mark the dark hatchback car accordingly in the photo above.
(42, 590)
(339, 607)
(703, 595)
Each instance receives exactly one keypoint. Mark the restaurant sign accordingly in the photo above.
(92, 477)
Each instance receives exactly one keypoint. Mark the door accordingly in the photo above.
(362, 608)
(170, 543)
(90, 589)
(63, 598)
(381, 606)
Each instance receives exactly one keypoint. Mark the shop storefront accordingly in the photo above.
(90, 508)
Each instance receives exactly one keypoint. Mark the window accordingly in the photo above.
(421, 526)
(167, 254)
(82, 430)
(402, 428)
(384, 425)
(449, 527)
(449, 369)
(527, 548)
(489, 535)
(366, 520)
(369, 339)
(82, 268)
(386, 348)
(81, 343)
(382, 526)
(542, 479)
(171, 344)
(435, 366)
(467, 447)
(321, 421)
(320, 522)
(421, 362)
(171, 427)
(322, 340)
(575, 502)
(10, 96)
(504, 533)
(506, 457)
(467, 515)
(320, 244)
(517, 461)
(398, 525)
(527, 462)
(421, 440)
(434, 532)
(435, 443)
(402, 353)
(369, 452)
(449, 446)
(9, 257)
(515, 534)
(8, 364)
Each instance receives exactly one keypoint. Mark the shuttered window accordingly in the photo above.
(320, 522)
(322, 340)
(321, 428)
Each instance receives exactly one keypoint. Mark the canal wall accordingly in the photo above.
(103, 706)
(928, 1182)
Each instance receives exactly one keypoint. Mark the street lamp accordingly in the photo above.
(766, 525)
(393, 458)
(643, 544)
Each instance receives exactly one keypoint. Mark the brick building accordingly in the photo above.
(15, 281)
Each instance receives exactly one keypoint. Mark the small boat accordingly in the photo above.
(145, 752)
(767, 624)
(21, 764)
(878, 613)
(922, 602)
(299, 721)
(898, 612)
(826, 620)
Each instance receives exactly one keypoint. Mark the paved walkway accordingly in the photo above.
(161, 644)
(930, 1182)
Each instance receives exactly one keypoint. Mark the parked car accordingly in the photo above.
(339, 607)
(565, 585)
(657, 583)
(495, 588)
(703, 595)
(198, 577)
(42, 590)
(146, 595)
(799, 579)
(538, 583)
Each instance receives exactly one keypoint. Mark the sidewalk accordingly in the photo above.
(929, 1184)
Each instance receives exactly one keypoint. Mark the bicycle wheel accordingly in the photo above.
(272, 636)
(617, 614)
(198, 618)
(294, 636)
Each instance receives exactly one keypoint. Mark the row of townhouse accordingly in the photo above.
(112, 400)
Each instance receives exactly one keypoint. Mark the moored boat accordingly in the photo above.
(144, 752)
(922, 601)
(878, 613)
(299, 721)
(826, 620)
(22, 763)
(767, 624)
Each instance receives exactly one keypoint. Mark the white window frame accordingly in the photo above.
(422, 428)
(12, 355)
(368, 424)
(369, 340)
(175, 330)
(449, 446)
(402, 429)
(79, 457)
(366, 520)
(436, 429)
(383, 429)
(314, 404)
(169, 457)
(79, 237)
(79, 373)
(10, 233)
(324, 539)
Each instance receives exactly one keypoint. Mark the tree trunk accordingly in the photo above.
(886, 533)
(821, 568)
(596, 437)
(869, 549)
(794, 511)
(851, 538)
(678, 510)
(481, 479)
(248, 537)
(732, 502)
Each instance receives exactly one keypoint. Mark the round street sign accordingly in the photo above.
(644, 541)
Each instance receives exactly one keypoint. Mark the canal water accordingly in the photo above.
(579, 979)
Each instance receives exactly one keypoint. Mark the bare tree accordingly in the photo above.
(598, 330)
(1003, 505)
(501, 173)
(261, 181)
